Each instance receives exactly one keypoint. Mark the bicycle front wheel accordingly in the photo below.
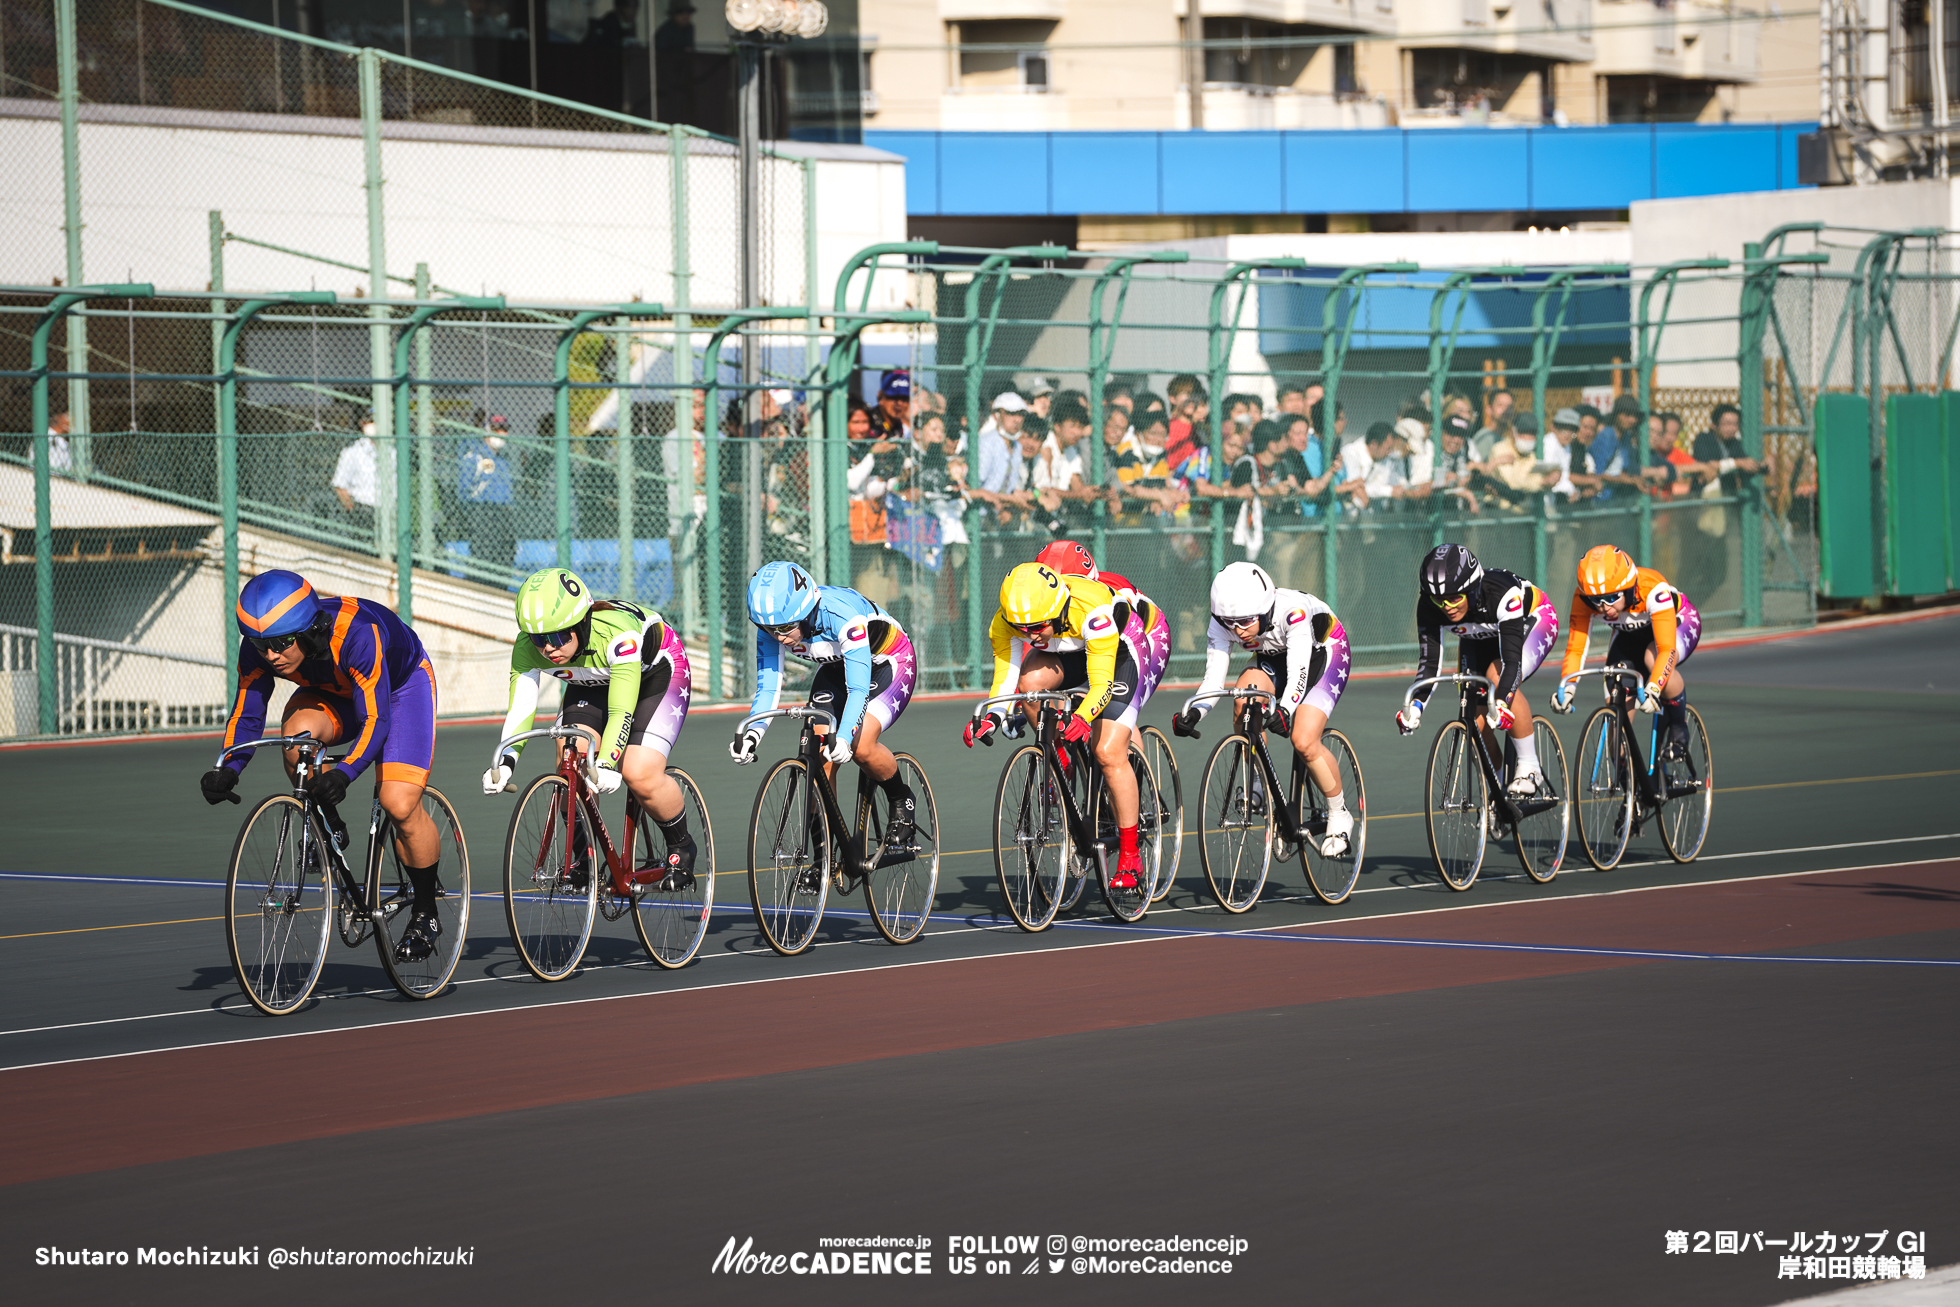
(1170, 808)
(1030, 839)
(1235, 825)
(672, 923)
(551, 878)
(1457, 807)
(1687, 780)
(901, 885)
(388, 881)
(1332, 879)
(1602, 789)
(1543, 831)
(279, 896)
(789, 858)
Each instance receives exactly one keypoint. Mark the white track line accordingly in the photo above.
(926, 962)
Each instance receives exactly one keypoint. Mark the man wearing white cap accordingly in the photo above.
(1003, 480)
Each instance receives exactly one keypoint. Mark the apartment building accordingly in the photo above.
(1079, 65)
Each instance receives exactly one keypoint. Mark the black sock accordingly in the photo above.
(424, 881)
(674, 828)
(896, 790)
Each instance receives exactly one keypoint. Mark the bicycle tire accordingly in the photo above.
(1127, 905)
(1333, 879)
(1030, 839)
(551, 887)
(1084, 780)
(1170, 808)
(389, 886)
(900, 896)
(1602, 790)
(277, 938)
(1684, 815)
(1235, 835)
(672, 923)
(789, 887)
(1455, 806)
(1542, 836)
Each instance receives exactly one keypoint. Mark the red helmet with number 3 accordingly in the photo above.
(1069, 558)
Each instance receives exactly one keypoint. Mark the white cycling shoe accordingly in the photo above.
(1340, 826)
(1526, 784)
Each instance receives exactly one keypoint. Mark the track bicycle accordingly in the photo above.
(1466, 805)
(798, 850)
(1054, 826)
(1240, 824)
(562, 870)
(1619, 788)
(289, 887)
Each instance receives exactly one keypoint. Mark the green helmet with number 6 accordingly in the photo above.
(552, 600)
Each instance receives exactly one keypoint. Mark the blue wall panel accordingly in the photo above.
(921, 151)
(1452, 169)
(1104, 172)
(1390, 170)
(1345, 172)
(993, 172)
(1690, 159)
(1592, 168)
(1222, 172)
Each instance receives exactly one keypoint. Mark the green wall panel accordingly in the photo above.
(1844, 496)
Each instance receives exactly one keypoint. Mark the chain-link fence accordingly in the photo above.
(1172, 415)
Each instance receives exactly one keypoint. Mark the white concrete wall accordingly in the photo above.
(541, 216)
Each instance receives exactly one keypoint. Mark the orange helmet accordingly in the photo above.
(1606, 571)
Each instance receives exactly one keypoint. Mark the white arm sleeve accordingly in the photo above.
(1299, 665)
(524, 689)
(1218, 660)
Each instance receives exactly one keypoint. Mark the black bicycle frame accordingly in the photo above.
(1252, 725)
(309, 750)
(1621, 697)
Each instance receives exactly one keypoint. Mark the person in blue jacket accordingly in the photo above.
(863, 657)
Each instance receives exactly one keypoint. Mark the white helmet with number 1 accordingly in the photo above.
(1243, 590)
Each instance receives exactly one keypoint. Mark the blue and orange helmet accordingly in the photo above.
(276, 603)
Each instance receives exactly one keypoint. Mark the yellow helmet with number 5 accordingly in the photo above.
(1033, 594)
(1606, 570)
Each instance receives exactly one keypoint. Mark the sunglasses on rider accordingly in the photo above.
(1447, 601)
(1600, 603)
(266, 644)
(1235, 623)
(553, 639)
(1031, 628)
(785, 630)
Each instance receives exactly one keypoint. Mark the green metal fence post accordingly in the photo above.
(561, 410)
(68, 92)
(1343, 302)
(624, 460)
(1646, 357)
(1102, 350)
(44, 652)
(370, 96)
(398, 377)
(1218, 341)
(816, 465)
(679, 462)
(425, 430)
(228, 434)
(215, 222)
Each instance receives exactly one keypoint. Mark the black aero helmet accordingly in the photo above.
(1449, 570)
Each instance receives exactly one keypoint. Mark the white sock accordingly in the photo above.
(1527, 754)
(1337, 802)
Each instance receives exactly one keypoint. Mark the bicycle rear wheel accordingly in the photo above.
(1602, 790)
(1457, 803)
(388, 875)
(1084, 781)
(1235, 825)
(279, 896)
(1030, 839)
(789, 858)
(1688, 781)
(1170, 808)
(1332, 879)
(1127, 905)
(552, 869)
(1543, 832)
(672, 923)
(900, 895)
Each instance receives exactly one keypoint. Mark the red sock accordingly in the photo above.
(1129, 838)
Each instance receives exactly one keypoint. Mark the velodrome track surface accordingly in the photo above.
(1509, 1095)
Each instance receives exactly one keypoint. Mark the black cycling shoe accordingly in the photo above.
(673, 873)
(902, 826)
(419, 940)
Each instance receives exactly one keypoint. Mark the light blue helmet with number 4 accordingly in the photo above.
(781, 593)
